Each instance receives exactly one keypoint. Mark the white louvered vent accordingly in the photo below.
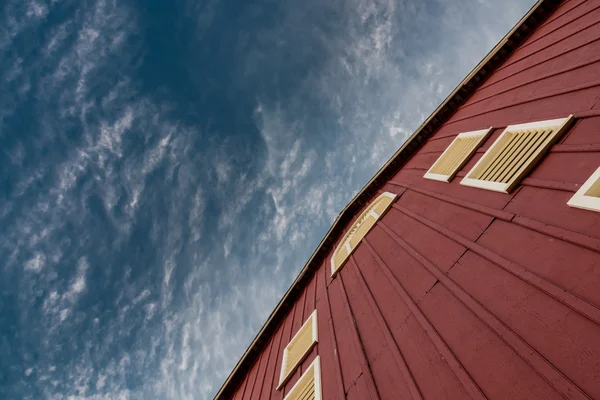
(518, 149)
(298, 348)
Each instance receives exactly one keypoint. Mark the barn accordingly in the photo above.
(469, 266)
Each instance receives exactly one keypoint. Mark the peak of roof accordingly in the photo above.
(536, 15)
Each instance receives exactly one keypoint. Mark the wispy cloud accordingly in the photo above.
(144, 243)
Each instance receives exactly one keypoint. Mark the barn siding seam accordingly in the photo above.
(335, 349)
(390, 342)
(257, 366)
(540, 364)
(575, 148)
(264, 374)
(561, 294)
(278, 333)
(457, 368)
(357, 342)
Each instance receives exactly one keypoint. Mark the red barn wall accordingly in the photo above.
(460, 292)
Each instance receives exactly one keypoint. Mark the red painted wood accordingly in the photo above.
(371, 335)
(349, 362)
(567, 167)
(442, 348)
(388, 378)
(585, 19)
(270, 379)
(569, 266)
(509, 376)
(550, 207)
(566, 339)
(260, 375)
(586, 131)
(465, 222)
(565, 62)
(252, 378)
(422, 161)
(405, 387)
(566, 7)
(331, 379)
(319, 278)
(358, 390)
(528, 110)
(441, 250)
(389, 302)
(358, 344)
(432, 373)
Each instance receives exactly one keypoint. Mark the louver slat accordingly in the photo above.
(514, 154)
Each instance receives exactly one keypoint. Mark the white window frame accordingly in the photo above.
(580, 200)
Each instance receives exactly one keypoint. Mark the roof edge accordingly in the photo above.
(533, 19)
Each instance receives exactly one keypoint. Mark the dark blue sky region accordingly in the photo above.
(167, 168)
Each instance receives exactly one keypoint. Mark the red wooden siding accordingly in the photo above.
(460, 292)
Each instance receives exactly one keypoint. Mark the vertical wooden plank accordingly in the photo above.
(296, 325)
(372, 336)
(404, 386)
(239, 394)
(320, 286)
(350, 365)
(262, 370)
(252, 378)
(270, 383)
(425, 362)
(309, 301)
(359, 390)
(331, 372)
(475, 344)
(357, 343)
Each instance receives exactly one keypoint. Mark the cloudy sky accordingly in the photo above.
(167, 168)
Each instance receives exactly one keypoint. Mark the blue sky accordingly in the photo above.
(167, 168)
